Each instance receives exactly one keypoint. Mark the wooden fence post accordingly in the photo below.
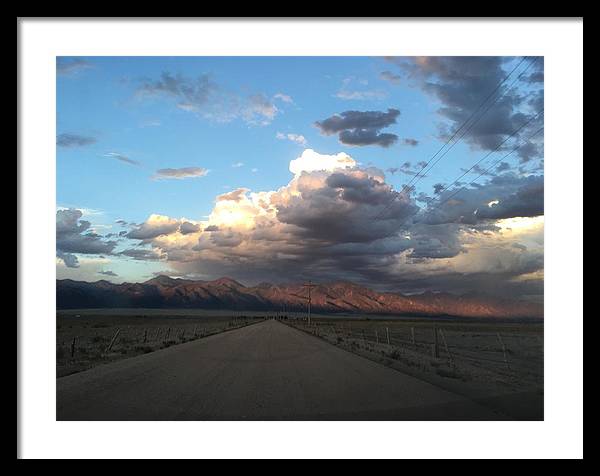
(503, 350)
(113, 340)
(73, 347)
(446, 346)
(167, 334)
(436, 351)
(412, 336)
(145, 335)
(376, 337)
(387, 334)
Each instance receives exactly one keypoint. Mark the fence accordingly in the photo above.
(438, 342)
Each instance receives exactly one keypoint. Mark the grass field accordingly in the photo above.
(84, 338)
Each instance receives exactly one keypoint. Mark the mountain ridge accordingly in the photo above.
(335, 297)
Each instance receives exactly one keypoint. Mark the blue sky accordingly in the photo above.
(158, 135)
(241, 122)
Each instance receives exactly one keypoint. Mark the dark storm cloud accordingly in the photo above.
(530, 150)
(435, 241)
(515, 197)
(73, 236)
(361, 137)
(462, 83)
(363, 189)
(344, 210)
(74, 140)
(410, 142)
(348, 224)
(360, 128)
(358, 120)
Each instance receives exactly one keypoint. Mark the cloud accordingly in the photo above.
(349, 92)
(410, 142)
(69, 67)
(237, 165)
(74, 236)
(408, 169)
(259, 110)
(234, 196)
(503, 196)
(361, 128)
(156, 225)
(284, 98)
(179, 174)
(70, 260)
(503, 167)
(337, 220)
(204, 97)
(311, 161)
(108, 273)
(297, 138)
(461, 84)
(141, 254)
(74, 140)
(188, 227)
(121, 157)
(391, 77)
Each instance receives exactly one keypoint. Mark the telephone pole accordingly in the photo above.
(309, 286)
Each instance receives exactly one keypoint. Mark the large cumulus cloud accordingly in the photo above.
(343, 221)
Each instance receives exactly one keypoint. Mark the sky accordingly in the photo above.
(407, 174)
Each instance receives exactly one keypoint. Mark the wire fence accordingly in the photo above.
(519, 353)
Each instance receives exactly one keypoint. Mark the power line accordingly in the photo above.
(490, 167)
(516, 131)
(474, 112)
(476, 120)
(416, 177)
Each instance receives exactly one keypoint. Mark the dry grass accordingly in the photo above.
(83, 338)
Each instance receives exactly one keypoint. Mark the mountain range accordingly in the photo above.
(337, 297)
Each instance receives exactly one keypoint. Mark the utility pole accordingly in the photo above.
(309, 285)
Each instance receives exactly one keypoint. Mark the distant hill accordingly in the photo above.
(226, 293)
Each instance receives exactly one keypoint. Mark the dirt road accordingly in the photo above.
(267, 371)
